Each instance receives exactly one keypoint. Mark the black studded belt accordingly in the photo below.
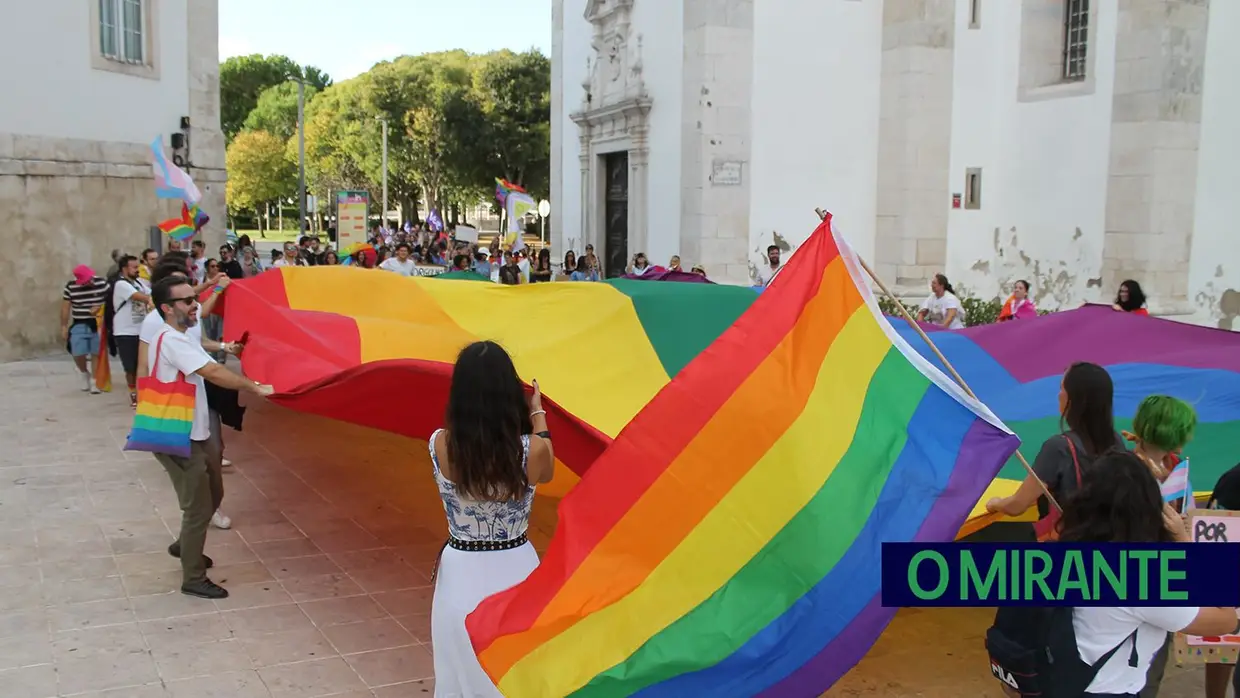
(477, 546)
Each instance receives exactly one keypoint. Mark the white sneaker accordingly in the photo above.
(220, 521)
(225, 463)
(87, 383)
(94, 389)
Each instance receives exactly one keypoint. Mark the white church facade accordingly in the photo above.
(1072, 143)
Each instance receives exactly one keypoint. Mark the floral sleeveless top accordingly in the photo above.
(478, 520)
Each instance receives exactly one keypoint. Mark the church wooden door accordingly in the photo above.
(616, 214)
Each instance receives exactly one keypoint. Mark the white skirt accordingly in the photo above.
(464, 580)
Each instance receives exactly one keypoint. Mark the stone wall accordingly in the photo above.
(206, 154)
(65, 202)
(1160, 53)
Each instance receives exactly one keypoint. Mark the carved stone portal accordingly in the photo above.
(613, 118)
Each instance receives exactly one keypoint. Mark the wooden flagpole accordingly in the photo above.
(908, 317)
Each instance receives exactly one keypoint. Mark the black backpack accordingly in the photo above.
(1033, 651)
(109, 312)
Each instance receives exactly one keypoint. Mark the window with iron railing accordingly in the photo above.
(1075, 38)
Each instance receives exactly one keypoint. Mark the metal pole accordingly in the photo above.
(383, 217)
(301, 156)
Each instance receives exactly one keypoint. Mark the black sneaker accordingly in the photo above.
(175, 551)
(205, 589)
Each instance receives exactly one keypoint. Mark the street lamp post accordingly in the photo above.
(301, 156)
(383, 214)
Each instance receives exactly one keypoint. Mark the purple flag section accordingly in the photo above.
(665, 275)
(1043, 346)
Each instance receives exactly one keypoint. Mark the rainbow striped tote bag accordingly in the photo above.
(165, 414)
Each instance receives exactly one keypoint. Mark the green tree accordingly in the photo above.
(258, 171)
(244, 78)
(335, 146)
(454, 124)
(514, 90)
(276, 111)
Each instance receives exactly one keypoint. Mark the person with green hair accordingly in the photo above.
(1161, 429)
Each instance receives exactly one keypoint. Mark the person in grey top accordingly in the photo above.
(1085, 406)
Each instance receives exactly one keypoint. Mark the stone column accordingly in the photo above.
(716, 130)
(588, 234)
(206, 139)
(914, 142)
(1160, 52)
(639, 159)
(559, 232)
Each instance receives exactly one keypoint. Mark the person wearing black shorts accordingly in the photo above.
(130, 302)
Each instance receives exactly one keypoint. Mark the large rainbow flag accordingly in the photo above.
(727, 542)
(1016, 369)
(349, 343)
(377, 348)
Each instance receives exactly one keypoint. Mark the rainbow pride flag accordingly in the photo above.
(177, 229)
(727, 542)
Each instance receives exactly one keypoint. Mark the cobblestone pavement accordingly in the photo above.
(335, 528)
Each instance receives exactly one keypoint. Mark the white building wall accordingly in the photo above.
(75, 135)
(566, 208)
(1044, 164)
(661, 25)
(1214, 267)
(60, 95)
(815, 120)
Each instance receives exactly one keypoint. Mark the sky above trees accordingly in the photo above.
(346, 39)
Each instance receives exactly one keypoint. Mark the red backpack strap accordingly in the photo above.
(159, 343)
(1076, 463)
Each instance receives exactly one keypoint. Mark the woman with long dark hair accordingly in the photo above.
(1119, 502)
(942, 307)
(541, 272)
(1087, 421)
(492, 452)
(1130, 298)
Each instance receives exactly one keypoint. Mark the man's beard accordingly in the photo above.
(185, 320)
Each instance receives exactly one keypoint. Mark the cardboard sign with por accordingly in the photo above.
(1210, 526)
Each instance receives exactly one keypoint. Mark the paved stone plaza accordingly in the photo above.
(335, 528)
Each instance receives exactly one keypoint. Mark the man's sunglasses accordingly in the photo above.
(188, 300)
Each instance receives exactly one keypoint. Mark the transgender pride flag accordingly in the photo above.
(171, 182)
(1177, 488)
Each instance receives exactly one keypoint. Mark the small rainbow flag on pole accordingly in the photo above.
(727, 543)
(503, 188)
(177, 229)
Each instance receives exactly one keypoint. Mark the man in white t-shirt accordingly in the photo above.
(942, 307)
(131, 299)
(401, 263)
(175, 351)
(198, 255)
(767, 271)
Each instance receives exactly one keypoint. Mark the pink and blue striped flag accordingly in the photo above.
(171, 182)
(1177, 488)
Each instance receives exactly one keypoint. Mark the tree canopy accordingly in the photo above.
(258, 171)
(244, 78)
(276, 110)
(456, 121)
